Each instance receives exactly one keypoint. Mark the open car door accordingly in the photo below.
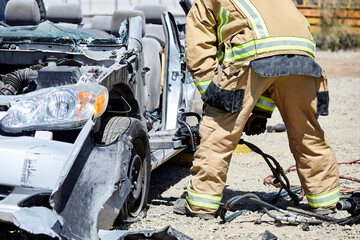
(173, 100)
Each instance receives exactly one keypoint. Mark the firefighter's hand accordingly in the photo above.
(256, 124)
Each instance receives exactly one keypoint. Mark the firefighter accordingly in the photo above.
(246, 57)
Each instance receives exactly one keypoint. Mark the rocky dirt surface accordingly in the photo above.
(247, 171)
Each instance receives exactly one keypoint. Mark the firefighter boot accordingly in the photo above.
(180, 208)
(324, 210)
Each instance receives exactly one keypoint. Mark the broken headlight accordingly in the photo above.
(56, 108)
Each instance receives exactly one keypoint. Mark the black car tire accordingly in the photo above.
(139, 169)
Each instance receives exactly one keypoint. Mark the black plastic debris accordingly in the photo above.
(167, 233)
(268, 236)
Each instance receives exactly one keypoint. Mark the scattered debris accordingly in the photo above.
(268, 236)
(280, 127)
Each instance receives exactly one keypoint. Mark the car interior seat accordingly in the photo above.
(154, 44)
(100, 26)
(22, 12)
(102, 22)
(153, 77)
(151, 50)
(121, 15)
(154, 28)
(65, 14)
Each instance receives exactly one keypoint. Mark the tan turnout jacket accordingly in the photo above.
(232, 32)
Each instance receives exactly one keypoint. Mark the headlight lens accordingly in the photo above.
(56, 108)
(61, 105)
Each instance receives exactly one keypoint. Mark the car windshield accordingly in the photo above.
(51, 33)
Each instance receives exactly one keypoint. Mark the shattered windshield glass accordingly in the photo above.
(50, 33)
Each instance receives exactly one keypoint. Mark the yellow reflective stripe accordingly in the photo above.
(221, 25)
(265, 103)
(253, 15)
(269, 44)
(203, 200)
(203, 195)
(207, 82)
(202, 86)
(325, 195)
(267, 99)
(221, 22)
(324, 200)
(224, 19)
(284, 47)
(246, 50)
(219, 55)
(259, 105)
(202, 91)
(201, 204)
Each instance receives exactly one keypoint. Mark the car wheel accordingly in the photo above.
(139, 166)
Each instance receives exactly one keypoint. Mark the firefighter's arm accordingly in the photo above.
(263, 110)
(200, 44)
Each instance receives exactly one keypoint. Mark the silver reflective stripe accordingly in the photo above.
(324, 200)
(220, 55)
(203, 200)
(224, 19)
(202, 87)
(266, 103)
(284, 43)
(240, 51)
(254, 16)
(269, 44)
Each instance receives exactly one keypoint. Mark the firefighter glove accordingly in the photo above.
(256, 124)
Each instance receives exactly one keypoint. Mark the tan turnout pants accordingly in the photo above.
(295, 97)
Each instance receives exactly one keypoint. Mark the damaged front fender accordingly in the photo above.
(90, 191)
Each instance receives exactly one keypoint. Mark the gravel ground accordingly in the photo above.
(247, 171)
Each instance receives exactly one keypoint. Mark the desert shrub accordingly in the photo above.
(332, 34)
(336, 37)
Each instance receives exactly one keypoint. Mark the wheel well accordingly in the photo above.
(122, 102)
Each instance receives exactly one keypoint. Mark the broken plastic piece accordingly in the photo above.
(280, 127)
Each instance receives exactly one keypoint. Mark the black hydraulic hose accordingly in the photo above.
(331, 220)
(277, 171)
(349, 220)
(312, 214)
(288, 216)
(15, 81)
(181, 121)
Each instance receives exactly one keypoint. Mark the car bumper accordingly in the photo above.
(34, 166)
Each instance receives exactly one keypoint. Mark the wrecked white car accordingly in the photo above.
(86, 114)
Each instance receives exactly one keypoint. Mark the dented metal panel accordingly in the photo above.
(36, 164)
(88, 185)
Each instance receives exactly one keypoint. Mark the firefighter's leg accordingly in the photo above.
(220, 132)
(296, 98)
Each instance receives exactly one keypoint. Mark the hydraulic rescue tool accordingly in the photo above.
(351, 204)
(189, 135)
